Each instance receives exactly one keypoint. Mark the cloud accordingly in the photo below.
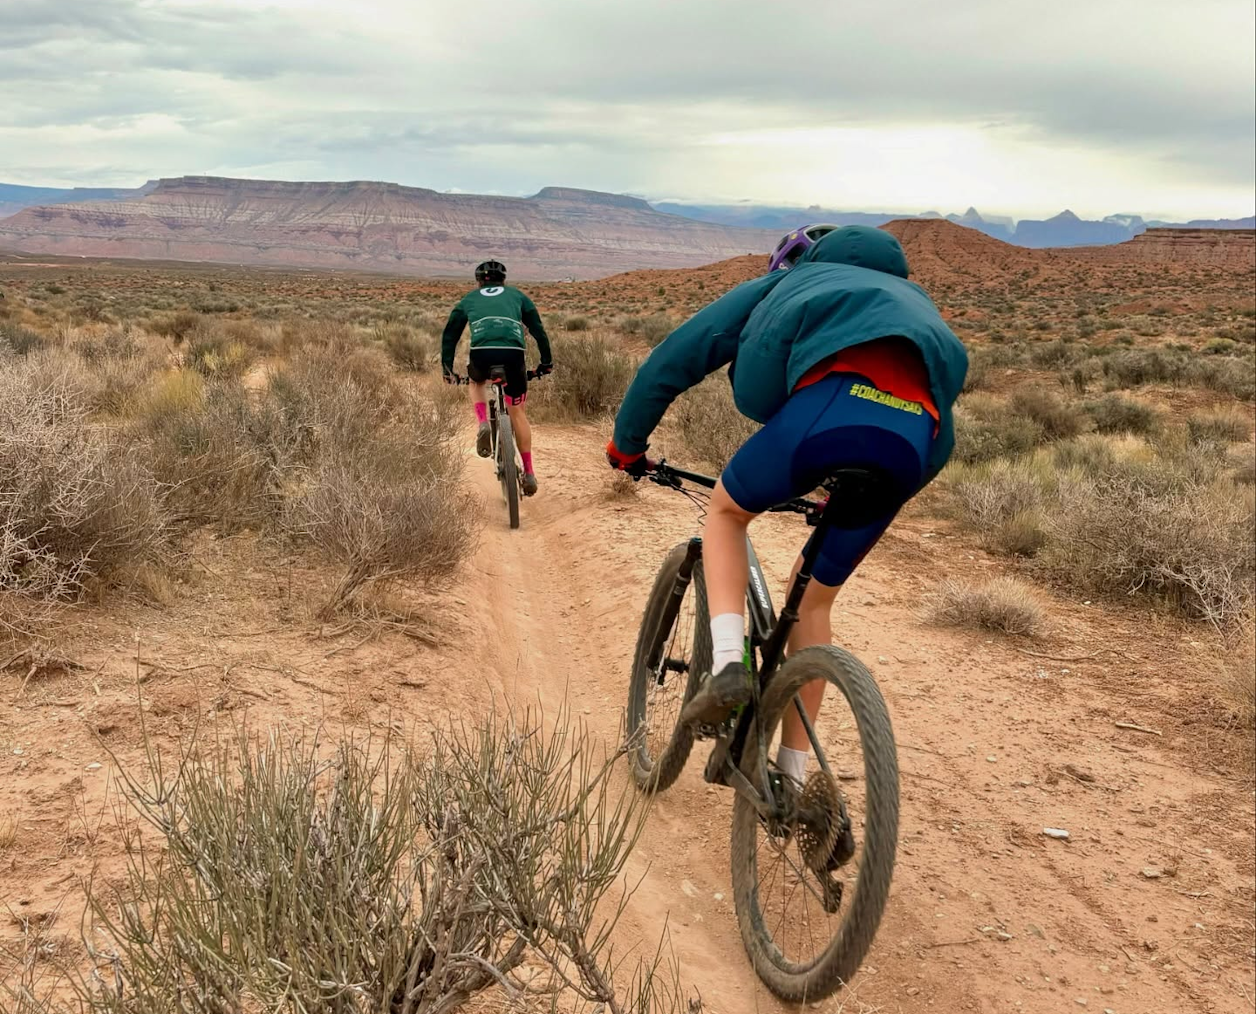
(654, 96)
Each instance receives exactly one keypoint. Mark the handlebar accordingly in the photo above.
(461, 381)
(665, 475)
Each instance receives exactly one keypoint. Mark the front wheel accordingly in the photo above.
(809, 895)
(673, 650)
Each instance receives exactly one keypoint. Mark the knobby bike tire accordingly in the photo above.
(655, 774)
(507, 468)
(838, 963)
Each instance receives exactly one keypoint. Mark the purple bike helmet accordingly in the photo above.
(794, 243)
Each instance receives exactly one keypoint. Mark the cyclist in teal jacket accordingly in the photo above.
(847, 364)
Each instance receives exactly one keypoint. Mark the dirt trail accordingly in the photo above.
(997, 740)
(986, 913)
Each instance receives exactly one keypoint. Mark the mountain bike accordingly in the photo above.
(505, 456)
(831, 856)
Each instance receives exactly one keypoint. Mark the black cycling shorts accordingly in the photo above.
(483, 360)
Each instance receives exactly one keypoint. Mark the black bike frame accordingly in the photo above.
(768, 632)
(497, 402)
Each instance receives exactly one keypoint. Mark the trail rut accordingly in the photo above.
(986, 913)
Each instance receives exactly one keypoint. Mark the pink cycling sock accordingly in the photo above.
(527, 461)
(481, 411)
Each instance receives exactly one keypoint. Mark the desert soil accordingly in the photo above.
(997, 740)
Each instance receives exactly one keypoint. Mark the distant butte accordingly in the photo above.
(560, 232)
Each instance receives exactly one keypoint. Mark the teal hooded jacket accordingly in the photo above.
(850, 287)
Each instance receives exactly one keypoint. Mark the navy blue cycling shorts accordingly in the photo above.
(842, 421)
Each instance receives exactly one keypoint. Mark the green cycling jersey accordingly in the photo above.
(497, 315)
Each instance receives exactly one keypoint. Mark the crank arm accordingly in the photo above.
(741, 785)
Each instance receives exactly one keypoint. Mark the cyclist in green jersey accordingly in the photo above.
(498, 314)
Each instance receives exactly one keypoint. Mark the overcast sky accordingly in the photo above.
(1015, 106)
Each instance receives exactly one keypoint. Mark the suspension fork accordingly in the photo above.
(693, 553)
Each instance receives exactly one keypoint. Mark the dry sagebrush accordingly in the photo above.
(76, 502)
(288, 876)
(1002, 604)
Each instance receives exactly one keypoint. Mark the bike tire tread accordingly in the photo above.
(837, 965)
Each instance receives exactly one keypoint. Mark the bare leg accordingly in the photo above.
(724, 557)
(814, 627)
(479, 395)
(523, 431)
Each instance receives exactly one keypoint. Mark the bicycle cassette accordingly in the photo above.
(820, 820)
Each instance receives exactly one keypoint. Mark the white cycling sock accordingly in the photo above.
(727, 639)
(792, 762)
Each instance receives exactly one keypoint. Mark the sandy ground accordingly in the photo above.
(997, 740)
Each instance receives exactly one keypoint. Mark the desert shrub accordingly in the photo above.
(1113, 413)
(576, 323)
(385, 521)
(978, 374)
(408, 349)
(1233, 376)
(220, 456)
(1242, 464)
(1135, 367)
(211, 353)
(90, 308)
(1078, 377)
(1223, 425)
(19, 340)
(709, 423)
(78, 502)
(653, 328)
(248, 333)
(1234, 676)
(177, 326)
(1003, 502)
(298, 333)
(588, 382)
(1155, 528)
(1004, 604)
(656, 327)
(1051, 354)
(115, 368)
(980, 439)
(381, 490)
(117, 343)
(369, 877)
(340, 400)
(1092, 454)
(1220, 346)
(1056, 419)
(207, 306)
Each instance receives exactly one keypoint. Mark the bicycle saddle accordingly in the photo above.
(860, 496)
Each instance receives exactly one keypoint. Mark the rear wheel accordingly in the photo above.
(673, 650)
(507, 470)
(809, 894)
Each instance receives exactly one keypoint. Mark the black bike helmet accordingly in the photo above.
(491, 273)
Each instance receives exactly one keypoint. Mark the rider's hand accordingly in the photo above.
(544, 370)
(634, 464)
(451, 377)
